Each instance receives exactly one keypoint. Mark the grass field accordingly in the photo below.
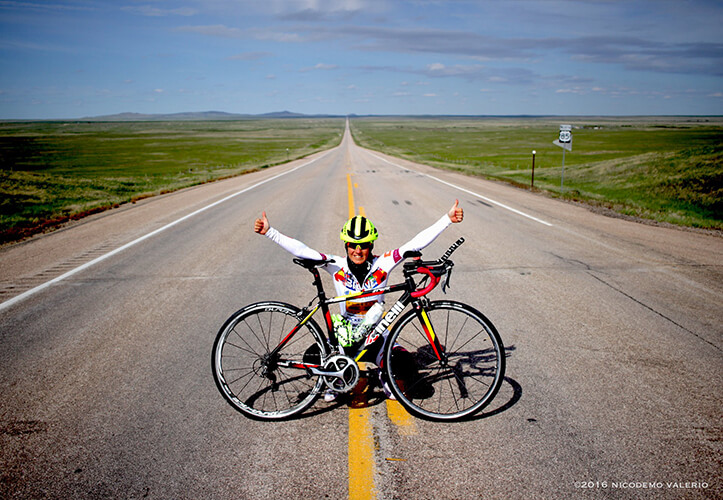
(664, 169)
(53, 171)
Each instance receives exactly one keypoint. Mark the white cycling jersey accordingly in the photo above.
(344, 280)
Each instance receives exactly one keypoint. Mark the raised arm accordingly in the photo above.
(294, 247)
(424, 238)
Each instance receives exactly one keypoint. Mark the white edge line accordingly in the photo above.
(494, 202)
(10, 302)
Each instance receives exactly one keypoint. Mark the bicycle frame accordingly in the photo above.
(411, 295)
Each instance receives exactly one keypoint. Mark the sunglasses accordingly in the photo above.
(360, 246)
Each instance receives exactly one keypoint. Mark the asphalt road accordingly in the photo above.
(613, 332)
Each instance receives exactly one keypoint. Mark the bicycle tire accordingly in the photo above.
(251, 384)
(445, 390)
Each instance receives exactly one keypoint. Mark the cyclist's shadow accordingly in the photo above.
(367, 393)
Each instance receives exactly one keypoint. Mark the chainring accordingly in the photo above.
(343, 373)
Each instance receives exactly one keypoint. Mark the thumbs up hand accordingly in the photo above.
(456, 214)
(261, 225)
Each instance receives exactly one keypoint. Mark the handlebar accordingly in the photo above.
(433, 282)
(416, 263)
(433, 269)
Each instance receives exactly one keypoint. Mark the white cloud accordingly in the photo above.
(249, 56)
(321, 10)
(219, 30)
(320, 67)
(150, 11)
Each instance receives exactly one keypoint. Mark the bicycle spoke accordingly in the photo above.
(243, 349)
(250, 378)
(253, 332)
(243, 375)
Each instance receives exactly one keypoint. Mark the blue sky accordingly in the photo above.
(78, 58)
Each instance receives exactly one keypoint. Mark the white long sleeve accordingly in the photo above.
(294, 247)
(427, 236)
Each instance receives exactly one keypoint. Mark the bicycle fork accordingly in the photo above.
(430, 333)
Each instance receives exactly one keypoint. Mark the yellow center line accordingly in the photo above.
(401, 418)
(361, 438)
(352, 211)
(361, 455)
(361, 444)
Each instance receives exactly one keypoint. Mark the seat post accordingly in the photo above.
(318, 283)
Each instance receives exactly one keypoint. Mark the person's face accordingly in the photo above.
(358, 252)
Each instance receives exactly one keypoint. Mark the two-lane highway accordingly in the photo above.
(613, 331)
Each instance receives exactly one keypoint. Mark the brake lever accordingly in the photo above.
(446, 284)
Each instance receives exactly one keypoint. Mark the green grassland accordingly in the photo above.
(54, 171)
(663, 169)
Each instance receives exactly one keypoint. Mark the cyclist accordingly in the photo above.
(359, 269)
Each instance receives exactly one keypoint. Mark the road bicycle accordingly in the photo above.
(442, 360)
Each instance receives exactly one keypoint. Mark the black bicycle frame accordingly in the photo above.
(411, 295)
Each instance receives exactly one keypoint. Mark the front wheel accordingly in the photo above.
(457, 377)
(255, 380)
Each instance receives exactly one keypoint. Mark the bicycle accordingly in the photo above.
(443, 360)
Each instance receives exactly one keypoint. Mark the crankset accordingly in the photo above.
(340, 373)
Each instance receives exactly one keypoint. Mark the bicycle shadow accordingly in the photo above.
(368, 393)
(516, 396)
(513, 399)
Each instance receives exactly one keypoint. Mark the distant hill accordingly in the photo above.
(200, 115)
(282, 114)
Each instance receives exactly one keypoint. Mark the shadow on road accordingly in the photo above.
(368, 393)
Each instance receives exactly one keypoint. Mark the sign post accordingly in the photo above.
(532, 182)
(565, 142)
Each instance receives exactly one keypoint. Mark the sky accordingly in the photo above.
(81, 58)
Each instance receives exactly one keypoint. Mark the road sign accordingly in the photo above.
(565, 133)
(565, 139)
(565, 142)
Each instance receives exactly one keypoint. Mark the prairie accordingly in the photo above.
(667, 169)
(54, 171)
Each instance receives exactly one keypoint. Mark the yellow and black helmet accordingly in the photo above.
(359, 229)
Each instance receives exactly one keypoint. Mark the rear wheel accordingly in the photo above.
(458, 382)
(254, 381)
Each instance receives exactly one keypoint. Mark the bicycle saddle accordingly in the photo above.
(311, 263)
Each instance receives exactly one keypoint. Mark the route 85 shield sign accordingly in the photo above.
(565, 133)
(565, 139)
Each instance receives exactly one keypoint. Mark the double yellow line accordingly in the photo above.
(361, 434)
(361, 463)
(350, 189)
